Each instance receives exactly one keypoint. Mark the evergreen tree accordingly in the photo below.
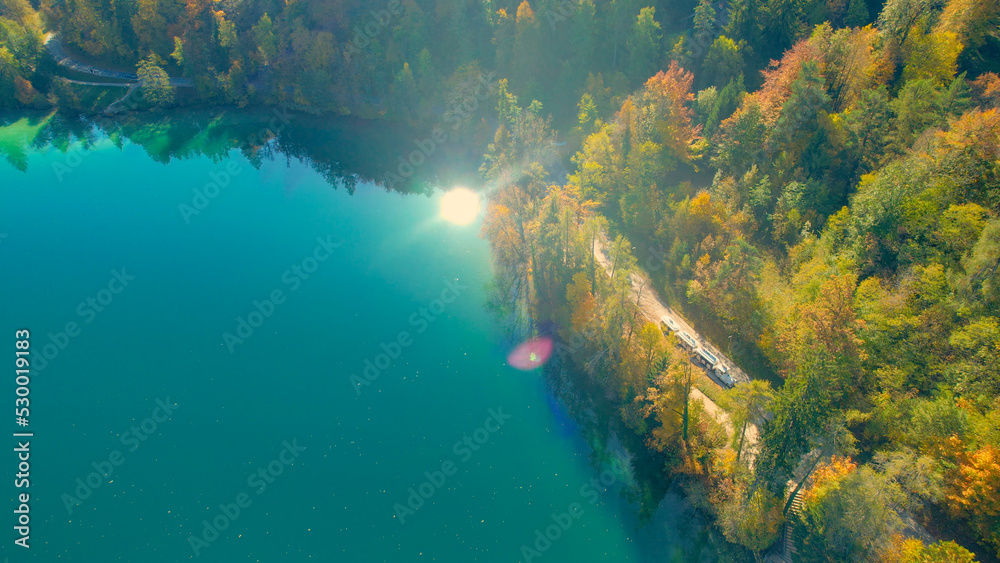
(857, 14)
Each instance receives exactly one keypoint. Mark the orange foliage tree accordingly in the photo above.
(668, 95)
(973, 491)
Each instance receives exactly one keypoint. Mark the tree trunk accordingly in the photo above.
(614, 263)
(593, 266)
(743, 433)
(632, 324)
(687, 399)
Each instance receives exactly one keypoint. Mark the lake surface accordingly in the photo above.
(246, 321)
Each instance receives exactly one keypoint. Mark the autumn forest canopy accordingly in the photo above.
(814, 184)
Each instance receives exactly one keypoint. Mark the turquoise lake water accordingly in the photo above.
(164, 291)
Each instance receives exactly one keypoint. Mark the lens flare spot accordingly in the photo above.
(460, 206)
(531, 354)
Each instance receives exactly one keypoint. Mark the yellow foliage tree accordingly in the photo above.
(932, 55)
(971, 20)
(910, 550)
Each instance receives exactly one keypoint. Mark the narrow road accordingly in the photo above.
(721, 416)
(102, 84)
(653, 308)
(55, 48)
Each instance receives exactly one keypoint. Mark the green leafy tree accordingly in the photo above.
(983, 266)
(898, 18)
(922, 104)
(267, 41)
(8, 74)
(226, 31)
(849, 517)
(155, 81)
(741, 144)
(868, 127)
(751, 402)
(724, 62)
(745, 22)
(724, 104)
(644, 45)
(798, 131)
(751, 519)
(857, 14)
(784, 21)
(803, 418)
(704, 22)
(732, 289)
(178, 53)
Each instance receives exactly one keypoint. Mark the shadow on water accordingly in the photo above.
(657, 509)
(663, 523)
(345, 151)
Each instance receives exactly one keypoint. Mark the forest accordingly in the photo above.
(814, 183)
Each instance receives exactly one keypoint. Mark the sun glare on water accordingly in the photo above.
(460, 206)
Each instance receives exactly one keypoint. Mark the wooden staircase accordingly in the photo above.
(784, 549)
(793, 512)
